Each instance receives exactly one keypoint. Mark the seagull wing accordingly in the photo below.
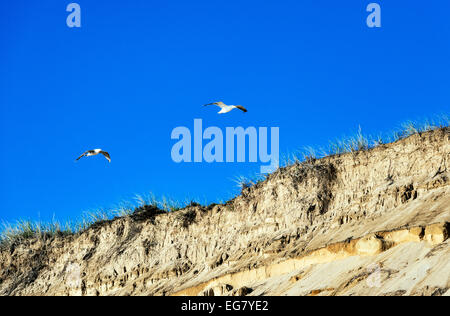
(84, 154)
(107, 156)
(220, 104)
(240, 107)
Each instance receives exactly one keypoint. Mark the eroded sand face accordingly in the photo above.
(366, 223)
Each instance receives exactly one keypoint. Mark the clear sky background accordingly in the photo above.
(137, 69)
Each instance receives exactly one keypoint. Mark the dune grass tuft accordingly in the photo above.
(351, 144)
(360, 142)
(23, 230)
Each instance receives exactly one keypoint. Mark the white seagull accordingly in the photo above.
(94, 153)
(227, 108)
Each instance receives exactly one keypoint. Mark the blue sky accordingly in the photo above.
(135, 70)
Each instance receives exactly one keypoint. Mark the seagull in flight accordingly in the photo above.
(94, 153)
(227, 108)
